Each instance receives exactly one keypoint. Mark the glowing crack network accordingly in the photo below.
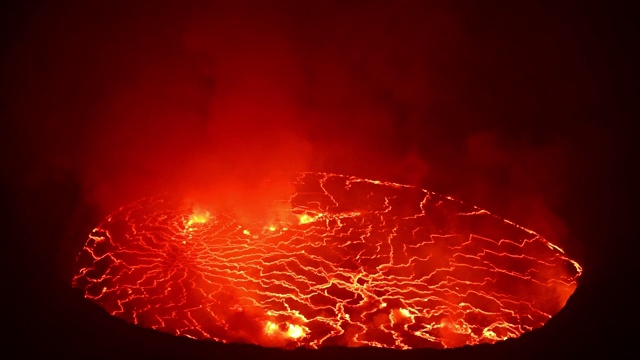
(357, 263)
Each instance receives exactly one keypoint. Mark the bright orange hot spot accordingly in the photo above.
(198, 216)
(306, 218)
(295, 331)
(359, 263)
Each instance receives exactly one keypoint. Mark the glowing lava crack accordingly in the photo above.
(357, 263)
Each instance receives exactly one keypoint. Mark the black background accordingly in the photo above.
(561, 98)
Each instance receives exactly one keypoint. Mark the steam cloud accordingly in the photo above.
(214, 98)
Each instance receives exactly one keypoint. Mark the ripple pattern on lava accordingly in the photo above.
(357, 263)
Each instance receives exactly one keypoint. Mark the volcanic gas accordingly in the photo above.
(343, 261)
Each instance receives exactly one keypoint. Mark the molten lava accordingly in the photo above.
(356, 263)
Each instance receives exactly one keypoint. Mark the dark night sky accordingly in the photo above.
(523, 108)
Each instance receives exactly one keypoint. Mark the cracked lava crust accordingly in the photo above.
(343, 261)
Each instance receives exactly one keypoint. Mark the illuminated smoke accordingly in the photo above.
(340, 261)
(128, 100)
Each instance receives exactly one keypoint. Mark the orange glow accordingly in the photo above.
(292, 331)
(271, 328)
(357, 263)
(295, 331)
(306, 218)
(199, 216)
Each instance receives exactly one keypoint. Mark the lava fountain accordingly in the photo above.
(343, 261)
